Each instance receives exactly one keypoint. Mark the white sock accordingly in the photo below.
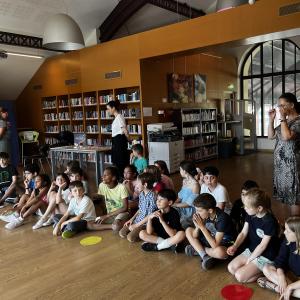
(159, 240)
(202, 253)
(164, 244)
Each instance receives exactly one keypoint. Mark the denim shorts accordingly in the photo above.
(260, 261)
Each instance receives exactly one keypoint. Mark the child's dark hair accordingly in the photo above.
(154, 170)
(46, 181)
(205, 201)
(114, 172)
(73, 164)
(147, 178)
(138, 148)
(65, 177)
(78, 171)
(163, 166)
(4, 155)
(257, 197)
(77, 184)
(32, 168)
(133, 169)
(249, 184)
(189, 167)
(168, 194)
(114, 104)
(210, 170)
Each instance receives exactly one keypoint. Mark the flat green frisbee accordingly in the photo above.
(91, 240)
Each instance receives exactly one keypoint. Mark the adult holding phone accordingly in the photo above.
(286, 177)
(120, 154)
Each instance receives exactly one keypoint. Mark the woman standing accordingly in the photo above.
(286, 181)
(120, 155)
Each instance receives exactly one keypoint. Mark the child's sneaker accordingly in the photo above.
(149, 247)
(14, 224)
(48, 222)
(67, 234)
(208, 262)
(8, 218)
(190, 251)
(38, 224)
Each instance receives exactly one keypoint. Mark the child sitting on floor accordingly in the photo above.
(72, 164)
(131, 183)
(81, 210)
(188, 193)
(147, 205)
(165, 174)
(214, 231)
(238, 214)
(37, 200)
(8, 178)
(212, 186)
(137, 159)
(288, 259)
(163, 230)
(261, 231)
(58, 196)
(116, 200)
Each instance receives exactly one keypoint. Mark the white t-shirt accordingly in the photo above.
(117, 125)
(220, 194)
(84, 206)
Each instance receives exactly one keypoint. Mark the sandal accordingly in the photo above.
(264, 283)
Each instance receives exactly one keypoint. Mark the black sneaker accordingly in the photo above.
(208, 262)
(149, 247)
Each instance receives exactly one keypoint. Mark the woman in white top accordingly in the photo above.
(120, 154)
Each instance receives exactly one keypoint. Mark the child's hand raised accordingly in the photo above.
(231, 250)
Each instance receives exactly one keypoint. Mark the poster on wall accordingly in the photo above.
(180, 88)
(200, 88)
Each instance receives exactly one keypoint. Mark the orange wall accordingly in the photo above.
(90, 64)
(220, 72)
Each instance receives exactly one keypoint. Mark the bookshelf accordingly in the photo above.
(85, 112)
(199, 130)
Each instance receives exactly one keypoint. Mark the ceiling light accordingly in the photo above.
(227, 4)
(62, 33)
(24, 55)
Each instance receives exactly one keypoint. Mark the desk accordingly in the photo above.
(88, 153)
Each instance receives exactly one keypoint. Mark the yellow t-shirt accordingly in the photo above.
(113, 197)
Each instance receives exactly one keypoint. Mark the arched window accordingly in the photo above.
(268, 70)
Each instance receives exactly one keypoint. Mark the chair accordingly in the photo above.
(27, 137)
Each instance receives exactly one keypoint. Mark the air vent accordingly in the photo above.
(113, 75)
(71, 82)
(289, 9)
(37, 87)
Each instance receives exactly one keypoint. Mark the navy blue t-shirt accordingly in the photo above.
(258, 227)
(172, 218)
(221, 223)
(6, 175)
(287, 259)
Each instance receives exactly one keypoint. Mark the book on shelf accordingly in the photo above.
(103, 99)
(49, 104)
(63, 103)
(90, 100)
(91, 114)
(50, 117)
(76, 101)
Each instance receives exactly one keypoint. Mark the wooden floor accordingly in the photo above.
(36, 265)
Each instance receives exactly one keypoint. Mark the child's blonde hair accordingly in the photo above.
(294, 224)
(258, 198)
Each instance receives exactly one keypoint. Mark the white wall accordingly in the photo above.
(265, 144)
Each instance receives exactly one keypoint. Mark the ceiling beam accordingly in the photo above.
(126, 8)
(177, 7)
(20, 40)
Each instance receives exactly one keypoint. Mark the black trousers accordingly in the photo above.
(119, 152)
(76, 226)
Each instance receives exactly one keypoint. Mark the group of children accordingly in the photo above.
(198, 220)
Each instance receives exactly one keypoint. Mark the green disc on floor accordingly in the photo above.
(91, 240)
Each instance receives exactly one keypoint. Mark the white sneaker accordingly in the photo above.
(39, 213)
(8, 218)
(16, 214)
(38, 224)
(14, 224)
(48, 222)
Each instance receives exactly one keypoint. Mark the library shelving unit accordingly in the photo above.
(199, 130)
(85, 112)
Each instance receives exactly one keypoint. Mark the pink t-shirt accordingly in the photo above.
(167, 181)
